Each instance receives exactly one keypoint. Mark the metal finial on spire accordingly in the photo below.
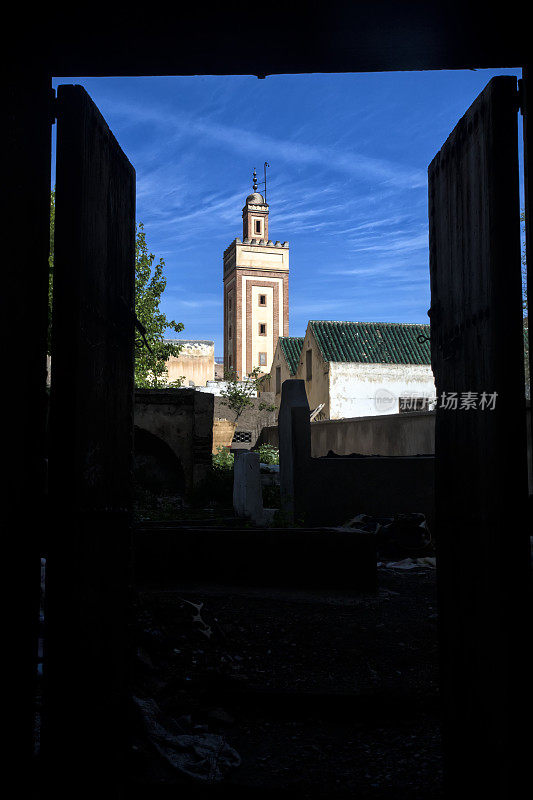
(265, 181)
(262, 183)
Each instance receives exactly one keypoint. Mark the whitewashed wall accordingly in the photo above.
(359, 390)
(217, 387)
(196, 362)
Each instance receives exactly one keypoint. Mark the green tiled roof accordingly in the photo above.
(372, 342)
(292, 349)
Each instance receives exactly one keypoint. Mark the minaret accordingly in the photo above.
(256, 292)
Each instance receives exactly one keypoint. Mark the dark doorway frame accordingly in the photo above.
(312, 37)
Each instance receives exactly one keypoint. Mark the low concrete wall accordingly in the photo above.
(183, 418)
(408, 434)
(330, 491)
(337, 489)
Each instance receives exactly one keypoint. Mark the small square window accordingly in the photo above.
(262, 359)
(258, 226)
(262, 329)
(262, 299)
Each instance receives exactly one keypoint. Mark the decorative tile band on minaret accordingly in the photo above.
(256, 291)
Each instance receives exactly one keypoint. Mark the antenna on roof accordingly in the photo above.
(264, 183)
(254, 184)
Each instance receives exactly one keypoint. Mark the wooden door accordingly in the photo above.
(481, 467)
(27, 133)
(91, 448)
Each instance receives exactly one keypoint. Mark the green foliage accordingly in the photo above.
(268, 454)
(150, 283)
(282, 519)
(238, 395)
(267, 407)
(223, 459)
(216, 491)
(271, 496)
(149, 505)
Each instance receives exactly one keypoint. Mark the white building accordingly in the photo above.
(358, 369)
(195, 365)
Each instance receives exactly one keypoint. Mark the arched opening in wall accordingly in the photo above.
(157, 469)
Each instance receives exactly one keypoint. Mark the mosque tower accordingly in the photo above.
(256, 292)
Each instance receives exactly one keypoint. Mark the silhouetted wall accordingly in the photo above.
(408, 434)
(337, 489)
(330, 491)
(183, 418)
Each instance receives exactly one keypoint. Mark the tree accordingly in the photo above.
(150, 367)
(238, 395)
(151, 351)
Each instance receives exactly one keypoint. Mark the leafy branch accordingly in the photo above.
(238, 395)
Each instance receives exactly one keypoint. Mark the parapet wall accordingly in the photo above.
(337, 489)
(251, 422)
(183, 418)
(330, 491)
(408, 434)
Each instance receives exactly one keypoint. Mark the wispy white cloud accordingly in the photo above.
(201, 302)
(250, 140)
(347, 186)
(393, 242)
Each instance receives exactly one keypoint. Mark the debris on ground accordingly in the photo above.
(409, 563)
(319, 694)
(201, 755)
(203, 627)
(397, 535)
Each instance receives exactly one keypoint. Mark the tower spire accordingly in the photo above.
(256, 290)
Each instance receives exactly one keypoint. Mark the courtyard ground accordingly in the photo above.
(321, 694)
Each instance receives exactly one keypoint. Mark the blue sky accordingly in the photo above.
(347, 183)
